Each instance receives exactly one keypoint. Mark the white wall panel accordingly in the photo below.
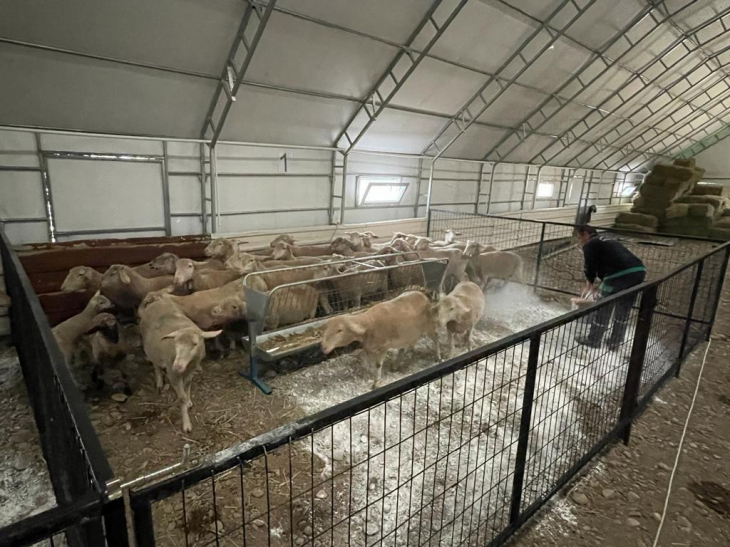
(21, 195)
(79, 143)
(111, 235)
(277, 221)
(184, 194)
(183, 226)
(261, 193)
(31, 232)
(91, 195)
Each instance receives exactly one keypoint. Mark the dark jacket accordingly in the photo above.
(607, 257)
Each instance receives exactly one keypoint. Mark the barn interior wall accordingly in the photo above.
(716, 162)
(96, 193)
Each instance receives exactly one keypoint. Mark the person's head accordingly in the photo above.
(585, 233)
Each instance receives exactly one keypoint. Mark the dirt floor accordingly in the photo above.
(25, 487)
(620, 499)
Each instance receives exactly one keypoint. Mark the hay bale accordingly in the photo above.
(674, 171)
(674, 185)
(658, 194)
(637, 218)
(718, 203)
(685, 162)
(635, 228)
(677, 210)
(723, 223)
(652, 179)
(701, 210)
(709, 190)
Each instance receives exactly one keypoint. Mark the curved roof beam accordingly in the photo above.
(386, 87)
(247, 37)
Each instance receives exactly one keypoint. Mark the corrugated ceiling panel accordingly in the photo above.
(475, 142)
(368, 17)
(604, 20)
(262, 115)
(555, 66)
(301, 54)
(483, 36)
(400, 132)
(512, 106)
(56, 90)
(439, 87)
(185, 34)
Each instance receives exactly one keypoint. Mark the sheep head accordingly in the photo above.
(99, 303)
(189, 346)
(184, 270)
(165, 264)
(78, 279)
(219, 248)
(282, 251)
(286, 238)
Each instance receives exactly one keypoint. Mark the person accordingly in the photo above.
(618, 269)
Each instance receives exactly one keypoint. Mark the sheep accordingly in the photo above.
(221, 248)
(458, 313)
(291, 305)
(395, 324)
(186, 276)
(82, 278)
(126, 288)
(472, 249)
(455, 268)
(159, 266)
(352, 288)
(408, 238)
(449, 239)
(498, 265)
(286, 238)
(217, 308)
(174, 345)
(286, 251)
(109, 343)
(68, 332)
(361, 241)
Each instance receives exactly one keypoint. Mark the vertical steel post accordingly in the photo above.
(333, 178)
(491, 186)
(537, 184)
(417, 205)
(690, 311)
(203, 197)
(580, 198)
(718, 292)
(636, 361)
(343, 199)
(428, 199)
(524, 189)
(568, 187)
(46, 190)
(214, 212)
(524, 435)
(539, 255)
(166, 191)
(479, 189)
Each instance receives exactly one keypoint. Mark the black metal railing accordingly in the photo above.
(461, 453)
(76, 462)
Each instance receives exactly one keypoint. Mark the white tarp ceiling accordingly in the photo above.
(596, 83)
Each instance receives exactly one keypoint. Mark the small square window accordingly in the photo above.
(545, 190)
(374, 191)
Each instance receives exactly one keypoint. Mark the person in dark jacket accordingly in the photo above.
(618, 269)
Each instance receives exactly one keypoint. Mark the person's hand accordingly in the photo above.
(589, 291)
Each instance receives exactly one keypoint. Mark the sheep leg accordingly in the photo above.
(324, 302)
(182, 396)
(399, 358)
(470, 338)
(379, 358)
(158, 378)
(189, 391)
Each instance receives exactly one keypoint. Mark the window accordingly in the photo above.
(545, 190)
(374, 191)
(627, 190)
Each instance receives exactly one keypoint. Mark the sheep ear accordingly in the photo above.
(124, 276)
(356, 328)
(210, 334)
(172, 334)
(82, 271)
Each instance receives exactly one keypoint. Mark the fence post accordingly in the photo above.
(539, 255)
(525, 419)
(428, 222)
(636, 361)
(718, 292)
(688, 323)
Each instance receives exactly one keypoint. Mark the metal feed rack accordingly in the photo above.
(262, 307)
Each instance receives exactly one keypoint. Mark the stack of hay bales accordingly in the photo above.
(670, 201)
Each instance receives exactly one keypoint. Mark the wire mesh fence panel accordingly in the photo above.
(577, 396)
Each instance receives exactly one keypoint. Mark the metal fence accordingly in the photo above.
(462, 453)
(76, 462)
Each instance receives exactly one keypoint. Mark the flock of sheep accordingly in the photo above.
(178, 303)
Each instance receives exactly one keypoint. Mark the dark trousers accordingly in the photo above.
(620, 309)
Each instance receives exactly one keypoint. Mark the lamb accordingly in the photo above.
(472, 249)
(459, 312)
(186, 276)
(408, 238)
(396, 324)
(68, 332)
(175, 346)
(286, 251)
(217, 308)
(455, 268)
(361, 241)
(82, 278)
(109, 343)
(449, 239)
(498, 265)
(126, 288)
(286, 238)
